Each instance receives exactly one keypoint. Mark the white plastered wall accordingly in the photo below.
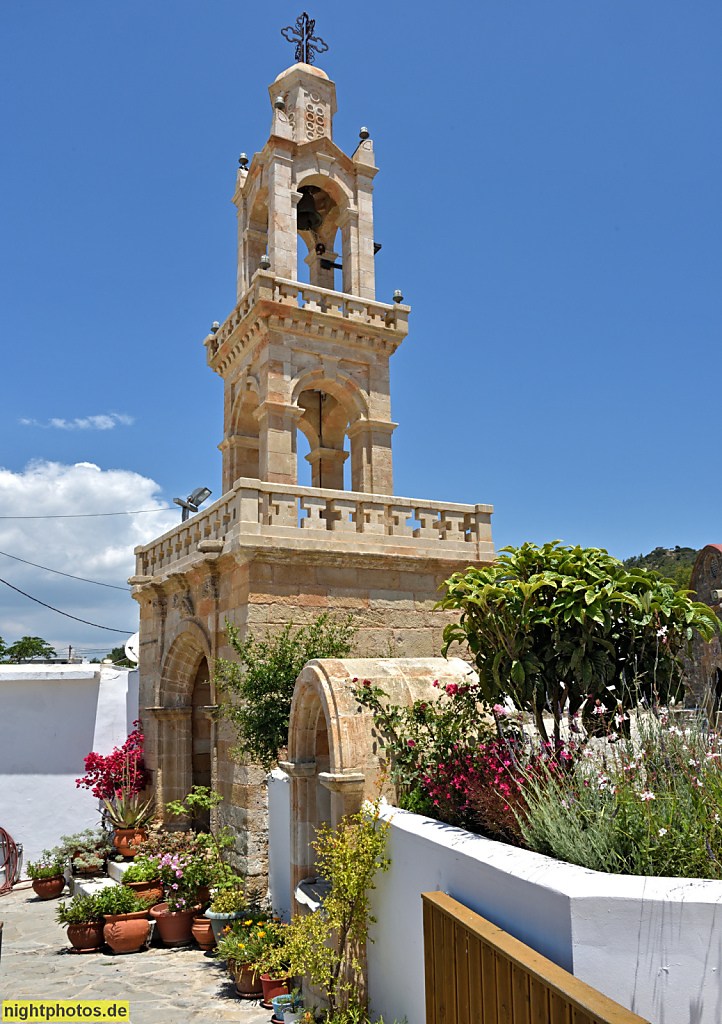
(51, 716)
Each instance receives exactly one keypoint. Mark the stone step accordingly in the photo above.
(117, 868)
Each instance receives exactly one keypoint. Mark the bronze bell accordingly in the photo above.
(308, 217)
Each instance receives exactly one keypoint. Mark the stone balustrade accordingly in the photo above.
(294, 294)
(255, 513)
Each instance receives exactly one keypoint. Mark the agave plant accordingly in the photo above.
(127, 810)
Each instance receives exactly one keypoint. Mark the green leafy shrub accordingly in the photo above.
(324, 946)
(80, 910)
(557, 627)
(143, 869)
(259, 686)
(119, 899)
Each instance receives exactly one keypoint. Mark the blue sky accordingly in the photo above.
(548, 202)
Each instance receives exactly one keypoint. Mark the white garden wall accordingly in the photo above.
(51, 716)
(652, 944)
(279, 842)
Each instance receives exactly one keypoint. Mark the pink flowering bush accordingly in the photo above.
(121, 771)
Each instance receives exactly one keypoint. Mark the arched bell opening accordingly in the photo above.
(317, 217)
(201, 738)
(324, 424)
(242, 444)
(716, 688)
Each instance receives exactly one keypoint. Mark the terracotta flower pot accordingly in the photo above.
(175, 929)
(273, 987)
(126, 840)
(126, 933)
(49, 888)
(154, 889)
(87, 937)
(248, 984)
(203, 932)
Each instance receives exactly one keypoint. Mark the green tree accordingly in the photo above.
(26, 649)
(558, 628)
(117, 656)
(259, 686)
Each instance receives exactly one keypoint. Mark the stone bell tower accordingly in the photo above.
(320, 365)
(294, 356)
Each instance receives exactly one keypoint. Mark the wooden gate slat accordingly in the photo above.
(520, 995)
(476, 973)
(475, 981)
(461, 954)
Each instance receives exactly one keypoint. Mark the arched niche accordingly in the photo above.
(334, 750)
(185, 684)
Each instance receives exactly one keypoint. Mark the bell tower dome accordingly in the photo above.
(299, 356)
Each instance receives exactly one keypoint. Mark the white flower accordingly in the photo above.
(647, 795)
(663, 832)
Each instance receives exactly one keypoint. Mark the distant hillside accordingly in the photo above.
(675, 563)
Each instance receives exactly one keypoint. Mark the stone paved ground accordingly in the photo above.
(163, 986)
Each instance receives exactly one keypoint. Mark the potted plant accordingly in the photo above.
(143, 877)
(264, 943)
(227, 905)
(87, 851)
(174, 917)
(85, 922)
(211, 869)
(47, 875)
(128, 815)
(126, 918)
(232, 947)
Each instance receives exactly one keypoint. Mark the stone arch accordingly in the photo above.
(241, 445)
(330, 405)
(177, 717)
(329, 728)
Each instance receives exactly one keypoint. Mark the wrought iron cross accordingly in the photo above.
(306, 42)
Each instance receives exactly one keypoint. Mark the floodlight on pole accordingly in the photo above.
(190, 505)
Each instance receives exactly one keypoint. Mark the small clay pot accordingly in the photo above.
(248, 984)
(273, 987)
(86, 937)
(49, 888)
(175, 929)
(153, 888)
(203, 932)
(126, 840)
(126, 933)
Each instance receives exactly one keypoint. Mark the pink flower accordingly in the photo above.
(411, 743)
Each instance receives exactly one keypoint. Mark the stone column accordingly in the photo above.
(277, 435)
(318, 276)
(282, 200)
(348, 223)
(240, 458)
(174, 773)
(371, 464)
(327, 467)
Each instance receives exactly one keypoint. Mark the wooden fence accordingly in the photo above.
(478, 974)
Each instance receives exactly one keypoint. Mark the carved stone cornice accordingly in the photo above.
(298, 769)
(163, 714)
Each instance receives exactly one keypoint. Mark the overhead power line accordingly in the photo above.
(111, 629)
(95, 515)
(69, 575)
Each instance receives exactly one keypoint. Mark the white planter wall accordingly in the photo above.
(51, 716)
(652, 944)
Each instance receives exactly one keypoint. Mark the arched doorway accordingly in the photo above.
(201, 737)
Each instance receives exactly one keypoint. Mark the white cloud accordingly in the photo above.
(97, 548)
(104, 421)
